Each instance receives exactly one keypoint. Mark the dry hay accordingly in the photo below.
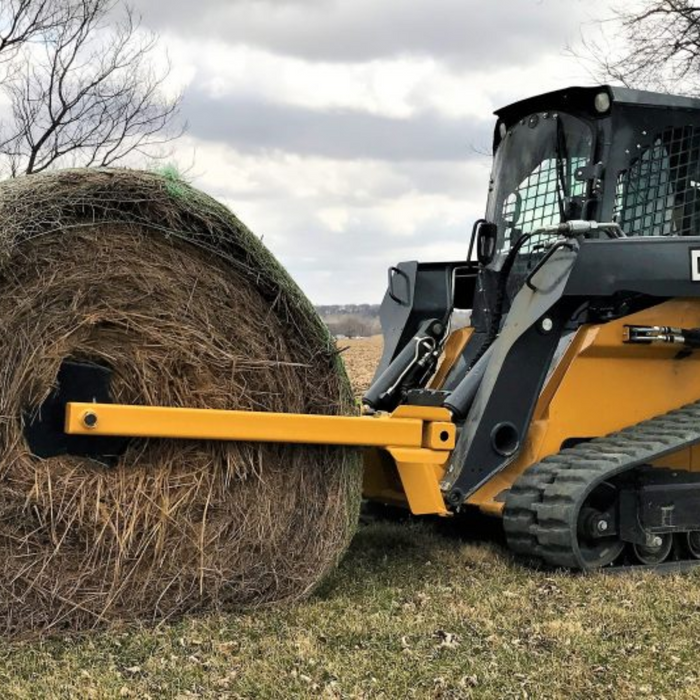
(169, 289)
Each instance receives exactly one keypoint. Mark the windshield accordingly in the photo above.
(534, 180)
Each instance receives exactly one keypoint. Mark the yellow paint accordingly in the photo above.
(453, 349)
(436, 435)
(417, 438)
(410, 426)
(419, 471)
(603, 385)
(436, 413)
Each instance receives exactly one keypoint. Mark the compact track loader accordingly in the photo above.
(570, 407)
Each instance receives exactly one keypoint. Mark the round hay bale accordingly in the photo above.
(150, 277)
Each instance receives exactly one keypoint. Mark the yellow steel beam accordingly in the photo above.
(419, 427)
(420, 471)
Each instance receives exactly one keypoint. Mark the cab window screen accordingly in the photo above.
(534, 181)
(658, 195)
(535, 202)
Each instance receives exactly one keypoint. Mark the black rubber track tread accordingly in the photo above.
(541, 509)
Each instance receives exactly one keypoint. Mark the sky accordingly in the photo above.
(353, 134)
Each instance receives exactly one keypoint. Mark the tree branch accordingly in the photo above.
(90, 96)
(658, 45)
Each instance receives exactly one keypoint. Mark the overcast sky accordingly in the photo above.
(351, 134)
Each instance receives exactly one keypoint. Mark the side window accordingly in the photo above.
(658, 195)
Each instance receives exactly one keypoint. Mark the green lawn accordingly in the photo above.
(414, 611)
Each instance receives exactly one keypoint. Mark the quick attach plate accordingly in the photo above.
(44, 426)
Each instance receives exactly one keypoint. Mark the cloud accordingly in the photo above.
(351, 262)
(255, 126)
(392, 87)
(349, 133)
(338, 225)
(481, 33)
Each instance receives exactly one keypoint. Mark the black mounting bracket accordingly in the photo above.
(44, 426)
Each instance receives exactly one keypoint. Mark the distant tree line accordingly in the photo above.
(362, 320)
(370, 310)
(351, 320)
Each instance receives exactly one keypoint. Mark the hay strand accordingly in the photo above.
(168, 288)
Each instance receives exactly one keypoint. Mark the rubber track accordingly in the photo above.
(541, 509)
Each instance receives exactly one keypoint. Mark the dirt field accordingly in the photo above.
(361, 356)
(416, 610)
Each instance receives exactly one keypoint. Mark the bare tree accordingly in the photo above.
(22, 21)
(655, 45)
(86, 92)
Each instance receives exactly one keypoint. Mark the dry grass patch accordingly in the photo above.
(361, 356)
(413, 612)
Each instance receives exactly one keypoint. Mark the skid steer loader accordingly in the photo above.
(570, 407)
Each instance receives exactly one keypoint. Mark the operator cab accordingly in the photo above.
(602, 153)
(597, 154)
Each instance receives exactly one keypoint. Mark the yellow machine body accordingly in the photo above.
(600, 385)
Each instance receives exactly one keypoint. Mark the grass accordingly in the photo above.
(414, 611)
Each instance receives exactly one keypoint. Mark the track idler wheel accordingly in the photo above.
(692, 543)
(594, 548)
(656, 552)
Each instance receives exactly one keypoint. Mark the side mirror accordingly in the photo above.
(486, 239)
